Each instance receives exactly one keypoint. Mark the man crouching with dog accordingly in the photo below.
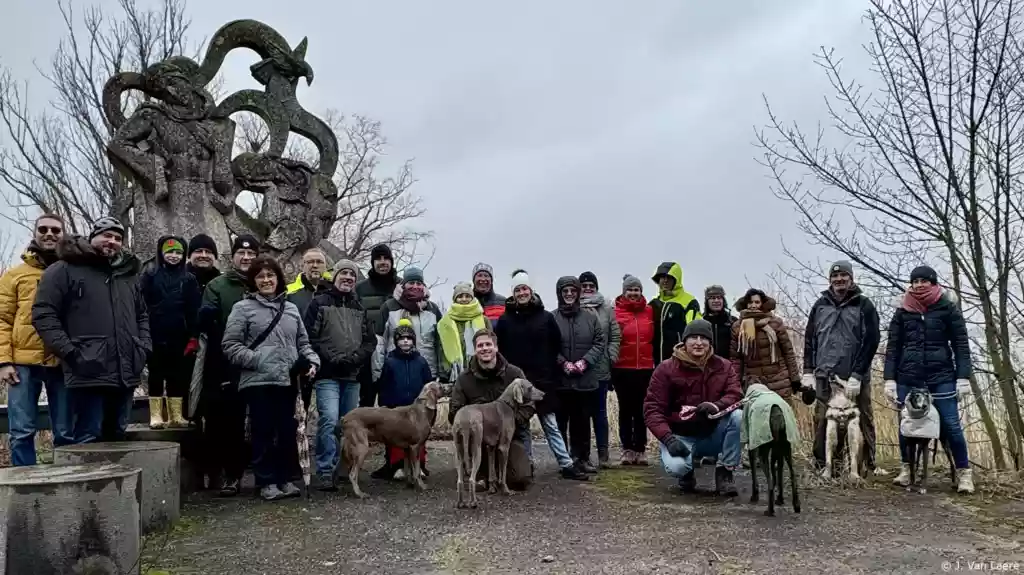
(484, 381)
(692, 407)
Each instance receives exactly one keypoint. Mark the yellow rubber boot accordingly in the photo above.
(174, 412)
(156, 413)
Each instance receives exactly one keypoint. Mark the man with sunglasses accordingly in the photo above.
(26, 367)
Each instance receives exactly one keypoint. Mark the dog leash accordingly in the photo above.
(688, 411)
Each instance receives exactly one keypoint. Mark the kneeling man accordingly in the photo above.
(484, 381)
(692, 407)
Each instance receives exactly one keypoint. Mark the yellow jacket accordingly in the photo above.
(19, 342)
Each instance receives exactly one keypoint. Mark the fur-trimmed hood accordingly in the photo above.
(76, 250)
(767, 306)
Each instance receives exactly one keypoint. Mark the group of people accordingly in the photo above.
(82, 318)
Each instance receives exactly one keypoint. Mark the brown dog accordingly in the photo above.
(491, 426)
(406, 427)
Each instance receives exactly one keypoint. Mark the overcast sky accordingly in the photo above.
(556, 136)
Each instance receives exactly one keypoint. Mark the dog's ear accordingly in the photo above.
(431, 393)
(517, 391)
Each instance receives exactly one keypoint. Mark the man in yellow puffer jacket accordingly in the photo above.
(25, 365)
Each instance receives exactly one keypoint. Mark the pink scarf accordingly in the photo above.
(917, 300)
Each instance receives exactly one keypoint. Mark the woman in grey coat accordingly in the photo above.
(263, 338)
(583, 348)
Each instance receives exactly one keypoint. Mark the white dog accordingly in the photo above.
(842, 412)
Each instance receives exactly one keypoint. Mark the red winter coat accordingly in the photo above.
(636, 319)
(675, 384)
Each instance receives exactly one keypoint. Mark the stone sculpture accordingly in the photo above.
(176, 149)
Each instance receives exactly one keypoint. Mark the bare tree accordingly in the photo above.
(926, 168)
(54, 157)
(372, 208)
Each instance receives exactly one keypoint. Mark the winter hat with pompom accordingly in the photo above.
(521, 278)
(630, 281)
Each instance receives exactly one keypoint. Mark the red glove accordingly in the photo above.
(192, 346)
(581, 365)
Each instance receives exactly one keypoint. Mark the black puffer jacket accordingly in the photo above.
(721, 330)
(90, 312)
(172, 299)
(932, 348)
(582, 338)
(529, 339)
(340, 333)
(373, 292)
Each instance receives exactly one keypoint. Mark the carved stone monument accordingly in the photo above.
(176, 149)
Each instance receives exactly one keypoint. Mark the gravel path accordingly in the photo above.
(630, 520)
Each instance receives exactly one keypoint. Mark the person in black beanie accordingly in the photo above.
(373, 292)
(202, 259)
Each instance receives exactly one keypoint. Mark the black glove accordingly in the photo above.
(676, 447)
(795, 385)
(707, 408)
(808, 396)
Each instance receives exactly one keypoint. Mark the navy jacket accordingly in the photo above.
(403, 377)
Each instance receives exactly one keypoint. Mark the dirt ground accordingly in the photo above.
(630, 520)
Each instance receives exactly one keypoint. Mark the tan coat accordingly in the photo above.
(779, 374)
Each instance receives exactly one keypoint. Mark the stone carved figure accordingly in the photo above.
(176, 148)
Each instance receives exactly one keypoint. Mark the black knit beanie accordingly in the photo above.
(589, 277)
(924, 273)
(245, 242)
(202, 241)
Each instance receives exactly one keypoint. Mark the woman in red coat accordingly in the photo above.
(631, 374)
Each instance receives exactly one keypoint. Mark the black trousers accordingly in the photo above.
(367, 387)
(575, 410)
(170, 371)
(272, 425)
(631, 389)
(226, 452)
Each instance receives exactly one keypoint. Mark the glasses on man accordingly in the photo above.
(55, 230)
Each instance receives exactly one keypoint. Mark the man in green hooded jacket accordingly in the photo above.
(673, 309)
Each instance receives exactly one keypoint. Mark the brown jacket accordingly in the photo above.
(778, 375)
(477, 385)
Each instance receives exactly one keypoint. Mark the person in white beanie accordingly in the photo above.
(530, 340)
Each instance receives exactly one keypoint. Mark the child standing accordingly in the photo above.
(403, 376)
(172, 297)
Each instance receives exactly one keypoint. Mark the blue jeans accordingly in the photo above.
(723, 444)
(23, 405)
(949, 420)
(549, 423)
(601, 418)
(100, 413)
(334, 398)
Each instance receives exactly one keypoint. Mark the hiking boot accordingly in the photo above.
(640, 458)
(325, 482)
(386, 471)
(230, 488)
(724, 484)
(290, 490)
(627, 457)
(688, 482)
(903, 479)
(574, 473)
(586, 467)
(481, 485)
(271, 493)
(964, 481)
(602, 459)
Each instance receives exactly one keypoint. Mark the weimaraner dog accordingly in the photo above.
(491, 426)
(407, 427)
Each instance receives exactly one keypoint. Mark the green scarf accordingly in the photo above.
(452, 343)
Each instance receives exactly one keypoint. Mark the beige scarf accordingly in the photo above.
(750, 322)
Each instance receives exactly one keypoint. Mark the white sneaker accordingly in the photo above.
(290, 490)
(400, 474)
(903, 479)
(879, 472)
(964, 481)
(271, 493)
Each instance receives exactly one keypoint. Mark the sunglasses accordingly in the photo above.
(52, 229)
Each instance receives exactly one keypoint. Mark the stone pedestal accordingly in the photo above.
(189, 440)
(60, 519)
(158, 460)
